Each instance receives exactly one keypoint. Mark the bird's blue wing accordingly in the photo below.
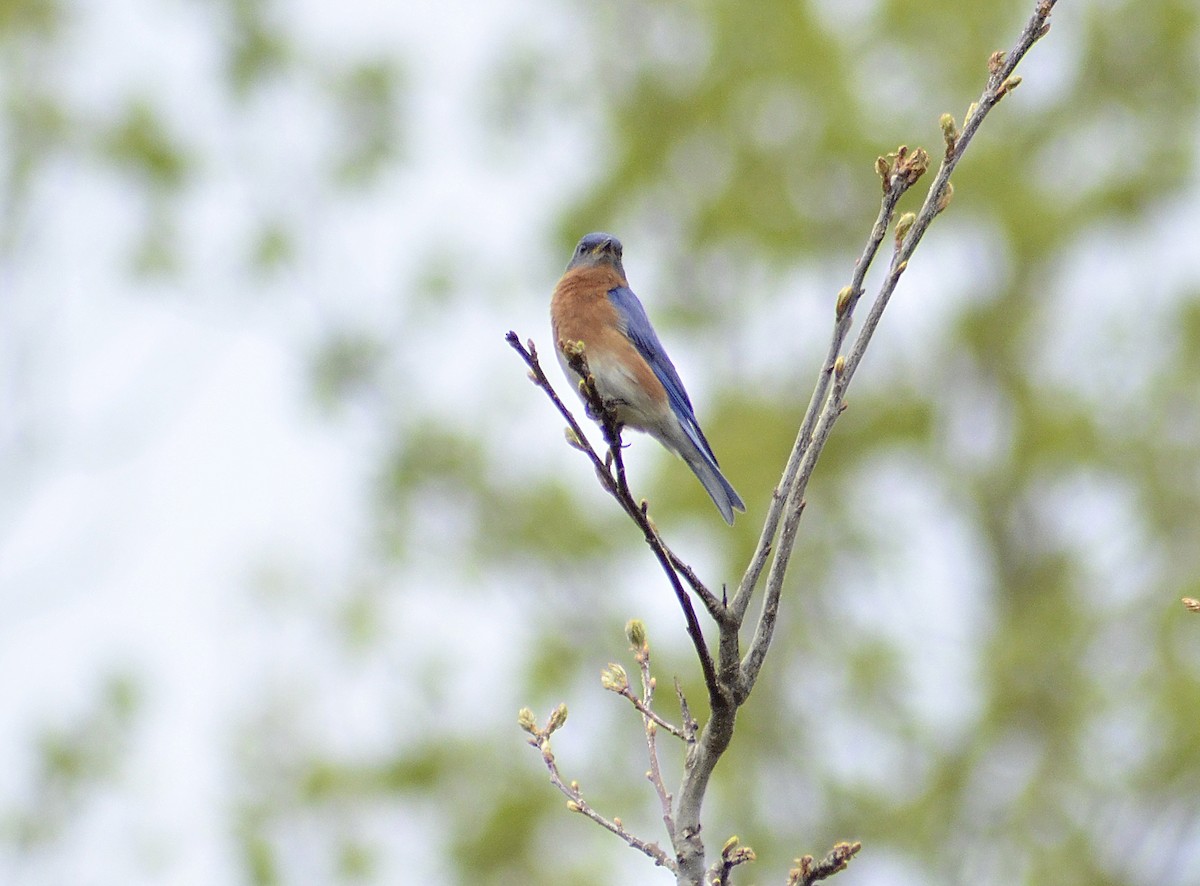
(638, 330)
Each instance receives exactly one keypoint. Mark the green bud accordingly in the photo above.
(558, 718)
(735, 854)
(526, 721)
(918, 163)
(949, 133)
(946, 196)
(635, 630)
(614, 678)
(843, 300)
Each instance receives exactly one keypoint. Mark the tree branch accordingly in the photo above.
(847, 299)
(611, 473)
(651, 722)
(614, 679)
(898, 171)
(540, 739)
(732, 678)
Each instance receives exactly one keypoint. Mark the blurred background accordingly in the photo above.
(287, 538)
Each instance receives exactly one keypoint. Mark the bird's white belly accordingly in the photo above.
(616, 384)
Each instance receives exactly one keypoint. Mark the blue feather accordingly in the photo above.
(636, 326)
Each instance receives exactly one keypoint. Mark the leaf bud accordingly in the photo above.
(843, 300)
(614, 678)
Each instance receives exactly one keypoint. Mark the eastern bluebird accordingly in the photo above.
(593, 304)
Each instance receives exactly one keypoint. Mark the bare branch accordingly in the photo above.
(651, 722)
(643, 708)
(844, 316)
(716, 608)
(575, 436)
(685, 715)
(540, 739)
(900, 171)
(611, 473)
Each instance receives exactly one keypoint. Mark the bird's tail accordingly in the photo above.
(724, 496)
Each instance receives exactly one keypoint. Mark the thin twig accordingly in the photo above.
(906, 167)
(715, 691)
(808, 872)
(841, 328)
(528, 353)
(612, 483)
(614, 679)
(716, 608)
(639, 511)
(540, 739)
(650, 721)
(685, 716)
(898, 173)
(612, 476)
(649, 714)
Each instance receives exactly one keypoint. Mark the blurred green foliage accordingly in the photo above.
(258, 44)
(368, 96)
(347, 363)
(21, 19)
(73, 760)
(271, 249)
(140, 143)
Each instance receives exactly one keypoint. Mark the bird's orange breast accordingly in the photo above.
(581, 310)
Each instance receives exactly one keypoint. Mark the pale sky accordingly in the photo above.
(167, 449)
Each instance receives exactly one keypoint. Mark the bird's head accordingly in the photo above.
(597, 249)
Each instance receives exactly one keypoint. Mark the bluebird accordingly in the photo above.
(593, 304)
